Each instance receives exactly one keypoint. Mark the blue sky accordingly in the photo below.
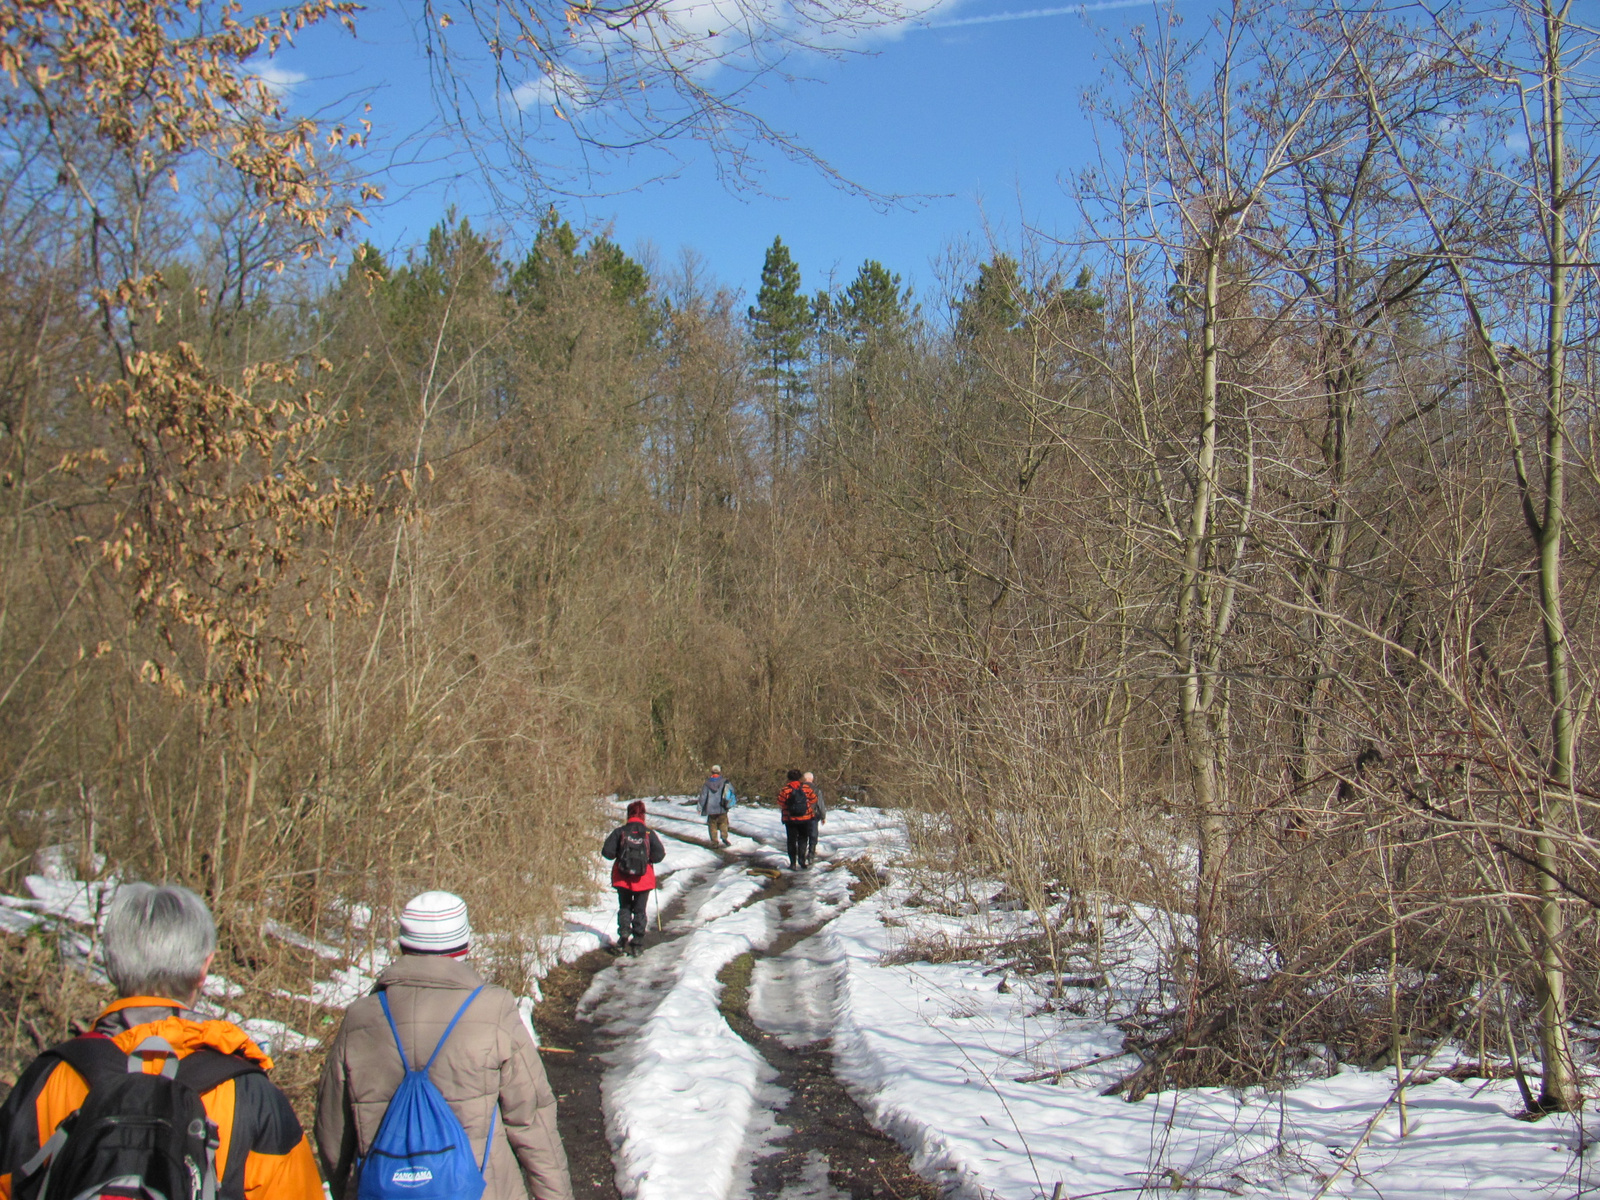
(978, 116)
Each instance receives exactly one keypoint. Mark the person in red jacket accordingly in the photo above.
(633, 852)
(801, 808)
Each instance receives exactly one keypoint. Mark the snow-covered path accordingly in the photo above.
(690, 1104)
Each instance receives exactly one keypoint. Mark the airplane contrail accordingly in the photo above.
(1070, 10)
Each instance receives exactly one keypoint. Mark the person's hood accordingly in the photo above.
(185, 1035)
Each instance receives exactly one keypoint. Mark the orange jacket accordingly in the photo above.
(813, 804)
(262, 1153)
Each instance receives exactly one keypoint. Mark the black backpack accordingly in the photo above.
(633, 849)
(798, 804)
(136, 1136)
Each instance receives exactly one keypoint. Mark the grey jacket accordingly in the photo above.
(489, 1060)
(711, 801)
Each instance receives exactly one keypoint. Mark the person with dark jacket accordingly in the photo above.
(633, 852)
(158, 944)
(488, 1069)
(801, 808)
(716, 799)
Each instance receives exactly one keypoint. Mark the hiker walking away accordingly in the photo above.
(150, 1067)
(716, 801)
(799, 806)
(433, 1086)
(633, 852)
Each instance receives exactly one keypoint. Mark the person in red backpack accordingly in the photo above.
(633, 851)
(801, 809)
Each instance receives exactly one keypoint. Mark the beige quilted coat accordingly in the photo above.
(489, 1059)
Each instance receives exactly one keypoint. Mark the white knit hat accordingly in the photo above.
(435, 923)
(716, 770)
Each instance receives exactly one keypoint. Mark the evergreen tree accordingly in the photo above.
(630, 285)
(866, 333)
(780, 324)
(554, 261)
(553, 256)
(874, 303)
(993, 302)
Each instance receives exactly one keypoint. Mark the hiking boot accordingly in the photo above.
(635, 947)
(618, 947)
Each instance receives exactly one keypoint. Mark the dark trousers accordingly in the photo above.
(632, 910)
(802, 842)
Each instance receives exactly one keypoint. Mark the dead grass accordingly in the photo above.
(735, 980)
(46, 1000)
(938, 948)
(868, 876)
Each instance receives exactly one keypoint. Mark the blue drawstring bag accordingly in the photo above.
(421, 1152)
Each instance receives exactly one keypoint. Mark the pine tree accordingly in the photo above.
(874, 303)
(780, 325)
(992, 303)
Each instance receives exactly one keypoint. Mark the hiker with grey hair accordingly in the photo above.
(432, 1013)
(159, 942)
(716, 801)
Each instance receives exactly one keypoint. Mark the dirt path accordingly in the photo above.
(833, 1149)
(809, 1140)
(575, 1076)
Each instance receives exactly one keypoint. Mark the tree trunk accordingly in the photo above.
(1558, 1090)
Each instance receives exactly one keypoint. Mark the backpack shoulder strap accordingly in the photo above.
(206, 1069)
(383, 999)
(93, 1056)
(450, 1028)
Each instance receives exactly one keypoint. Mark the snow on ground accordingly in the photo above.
(936, 1054)
(689, 1103)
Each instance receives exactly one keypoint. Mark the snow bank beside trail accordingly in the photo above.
(934, 1053)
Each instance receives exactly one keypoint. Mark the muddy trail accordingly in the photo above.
(572, 1050)
(831, 1137)
(810, 1141)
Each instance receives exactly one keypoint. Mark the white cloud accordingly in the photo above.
(280, 80)
(558, 86)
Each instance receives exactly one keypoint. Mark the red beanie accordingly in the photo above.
(635, 809)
